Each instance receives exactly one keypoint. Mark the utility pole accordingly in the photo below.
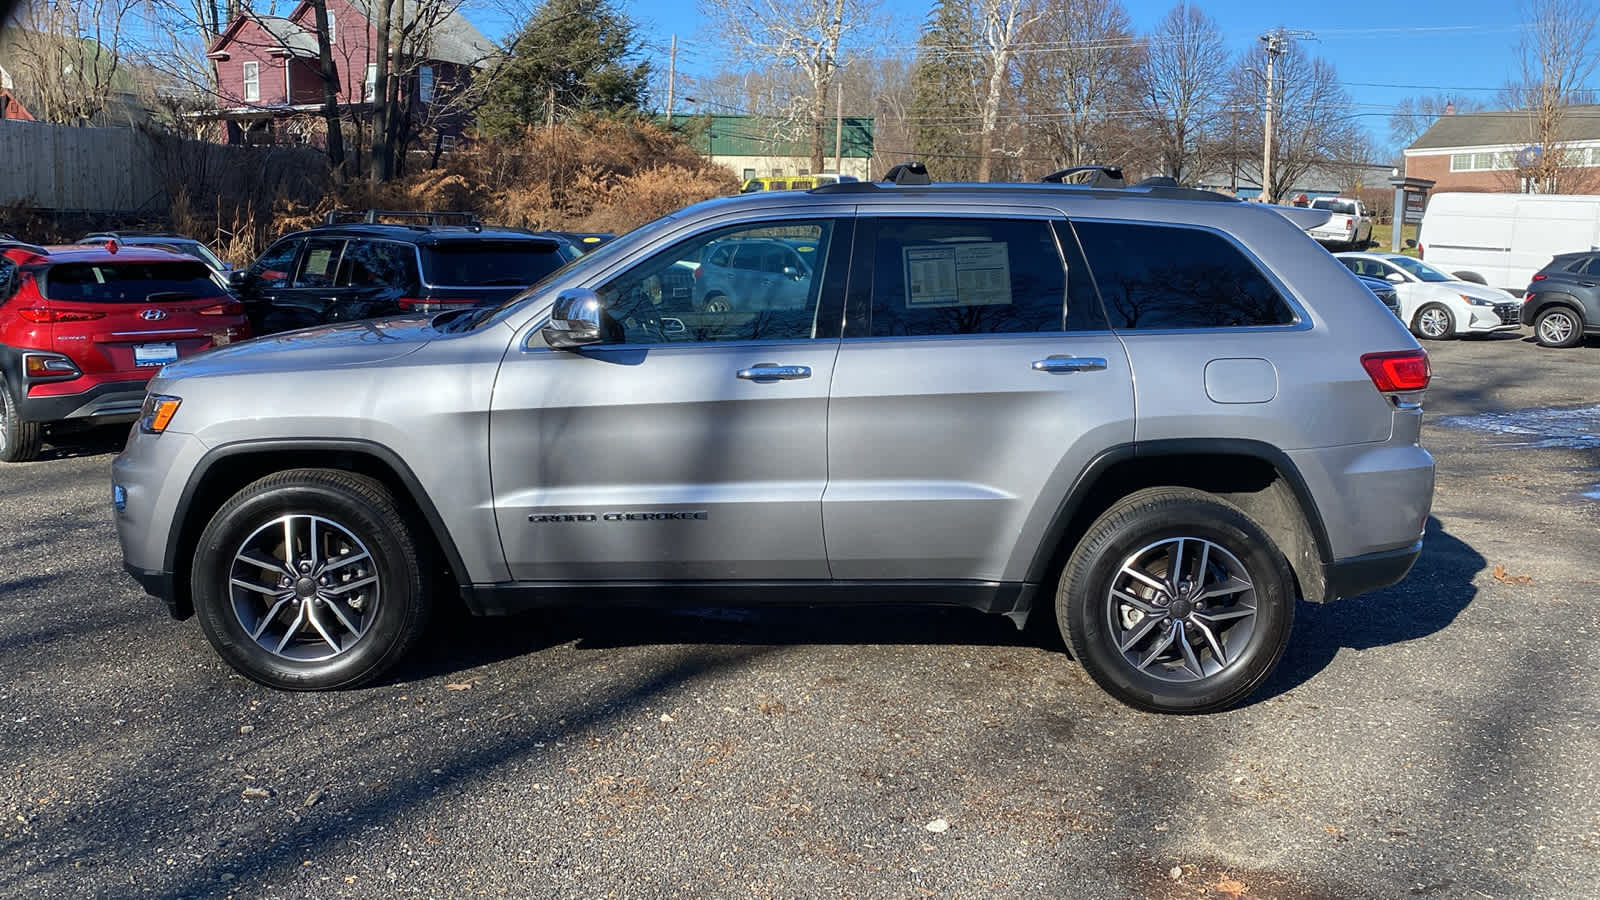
(1274, 42)
(672, 68)
(1278, 42)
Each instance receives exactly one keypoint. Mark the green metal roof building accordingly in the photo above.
(753, 145)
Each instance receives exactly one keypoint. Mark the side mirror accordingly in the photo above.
(577, 319)
(792, 272)
(235, 278)
(1395, 278)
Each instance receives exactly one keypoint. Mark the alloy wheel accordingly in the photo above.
(304, 588)
(1556, 328)
(1181, 609)
(1434, 322)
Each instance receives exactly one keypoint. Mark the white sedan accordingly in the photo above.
(1436, 304)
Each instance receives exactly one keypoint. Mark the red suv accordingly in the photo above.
(82, 329)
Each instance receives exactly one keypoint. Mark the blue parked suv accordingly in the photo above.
(1156, 416)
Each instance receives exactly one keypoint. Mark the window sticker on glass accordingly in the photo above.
(977, 274)
(317, 262)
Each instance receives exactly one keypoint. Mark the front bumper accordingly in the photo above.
(160, 586)
(152, 473)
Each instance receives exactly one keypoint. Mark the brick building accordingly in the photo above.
(270, 84)
(1480, 151)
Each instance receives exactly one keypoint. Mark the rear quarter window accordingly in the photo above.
(1159, 277)
(490, 263)
(128, 282)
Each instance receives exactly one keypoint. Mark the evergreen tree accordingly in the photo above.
(945, 88)
(579, 55)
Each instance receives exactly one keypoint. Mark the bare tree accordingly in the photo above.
(1557, 55)
(68, 54)
(1414, 115)
(1184, 81)
(1000, 26)
(808, 36)
(1082, 71)
(1313, 124)
(330, 87)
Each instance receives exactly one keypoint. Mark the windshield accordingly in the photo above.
(128, 282)
(1419, 269)
(201, 252)
(491, 263)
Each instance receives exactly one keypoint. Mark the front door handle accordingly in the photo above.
(1069, 364)
(774, 372)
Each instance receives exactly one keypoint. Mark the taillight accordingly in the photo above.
(1399, 370)
(1540, 276)
(225, 308)
(1420, 254)
(43, 316)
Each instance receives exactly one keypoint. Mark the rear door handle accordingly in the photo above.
(774, 372)
(1069, 364)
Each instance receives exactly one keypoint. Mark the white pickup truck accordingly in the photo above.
(1350, 227)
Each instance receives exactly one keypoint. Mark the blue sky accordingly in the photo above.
(1464, 48)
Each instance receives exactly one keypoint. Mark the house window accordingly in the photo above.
(370, 89)
(333, 32)
(252, 81)
(425, 84)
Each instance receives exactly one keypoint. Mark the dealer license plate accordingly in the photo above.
(155, 354)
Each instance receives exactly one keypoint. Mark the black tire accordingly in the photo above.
(345, 621)
(1558, 326)
(19, 440)
(1251, 627)
(1433, 322)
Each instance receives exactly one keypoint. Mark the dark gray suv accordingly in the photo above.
(1156, 416)
(1563, 300)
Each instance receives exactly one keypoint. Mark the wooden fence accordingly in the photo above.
(124, 170)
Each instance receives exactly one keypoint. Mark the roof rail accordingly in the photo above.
(908, 173)
(1090, 176)
(15, 244)
(371, 217)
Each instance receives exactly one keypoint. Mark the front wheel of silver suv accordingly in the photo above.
(1175, 601)
(310, 579)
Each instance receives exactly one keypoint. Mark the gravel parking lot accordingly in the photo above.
(1438, 738)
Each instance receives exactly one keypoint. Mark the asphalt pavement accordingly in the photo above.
(1438, 738)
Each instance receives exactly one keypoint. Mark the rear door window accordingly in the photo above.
(1161, 277)
(320, 263)
(129, 282)
(967, 276)
(490, 263)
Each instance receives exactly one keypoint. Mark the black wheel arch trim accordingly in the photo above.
(1056, 530)
(408, 480)
(1531, 311)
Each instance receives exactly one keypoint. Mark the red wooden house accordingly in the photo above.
(269, 81)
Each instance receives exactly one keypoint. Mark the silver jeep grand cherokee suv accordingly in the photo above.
(1159, 414)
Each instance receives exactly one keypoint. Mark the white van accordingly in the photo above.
(1506, 238)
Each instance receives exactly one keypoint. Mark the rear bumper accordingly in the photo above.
(105, 401)
(1360, 574)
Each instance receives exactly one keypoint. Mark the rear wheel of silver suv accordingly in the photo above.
(19, 440)
(310, 579)
(1175, 601)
